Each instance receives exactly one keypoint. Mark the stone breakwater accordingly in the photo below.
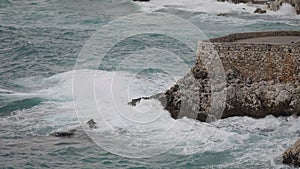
(258, 79)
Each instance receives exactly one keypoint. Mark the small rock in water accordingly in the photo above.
(259, 10)
(69, 133)
(135, 101)
(292, 155)
(142, 0)
(222, 14)
(92, 124)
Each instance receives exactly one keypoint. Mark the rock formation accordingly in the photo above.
(261, 80)
(236, 1)
(69, 133)
(191, 97)
(92, 124)
(292, 155)
(142, 0)
(259, 10)
(271, 4)
(278, 3)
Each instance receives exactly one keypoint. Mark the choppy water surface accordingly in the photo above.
(40, 42)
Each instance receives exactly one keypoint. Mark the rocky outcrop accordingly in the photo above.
(292, 155)
(92, 124)
(141, 0)
(275, 5)
(236, 1)
(260, 11)
(69, 133)
(260, 80)
(192, 96)
(271, 4)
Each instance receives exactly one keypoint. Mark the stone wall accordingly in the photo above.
(238, 36)
(278, 62)
(262, 78)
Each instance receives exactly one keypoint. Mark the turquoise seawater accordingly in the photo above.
(40, 43)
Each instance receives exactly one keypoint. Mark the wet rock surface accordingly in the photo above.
(292, 155)
(69, 133)
(92, 124)
(276, 4)
(191, 96)
(260, 11)
(141, 0)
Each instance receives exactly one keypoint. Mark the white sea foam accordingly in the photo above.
(215, 7)
(207, 6)
(147, 129)
(285, 11)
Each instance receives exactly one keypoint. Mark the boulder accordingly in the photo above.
(260, 11)
(141, 0)
(292, 155)
(276, 4)
(69, 133)
(92, 124)
(236, 1)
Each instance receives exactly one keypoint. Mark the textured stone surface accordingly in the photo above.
(259, 10)
(292, 155)
(261, 80)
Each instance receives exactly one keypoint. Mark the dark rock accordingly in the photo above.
(292, 155)
(69, 133)
(191, 97)
(199, 72)
(222, 14)
(92, 124)
(141, 0)
(260, 11)
(133, 102)
(236, 1)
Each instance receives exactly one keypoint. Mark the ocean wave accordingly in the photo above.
(209, 6)
(215, 7)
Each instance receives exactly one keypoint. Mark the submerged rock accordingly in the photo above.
(292, 155)
(260, 11)
(236, 1)
(92, 124)
(142, 0)
(69, 133)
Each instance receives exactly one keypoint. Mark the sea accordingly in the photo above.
(64, 62)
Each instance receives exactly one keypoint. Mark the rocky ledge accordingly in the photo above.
(292, 155)
(191, 96)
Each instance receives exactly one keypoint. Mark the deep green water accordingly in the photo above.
(40, 41)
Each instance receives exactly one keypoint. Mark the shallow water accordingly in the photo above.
(40, 44)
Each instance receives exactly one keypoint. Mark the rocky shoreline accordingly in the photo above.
(260, 79)
(191, 97)
(273, 5)
(270, 4)
(292, 155)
